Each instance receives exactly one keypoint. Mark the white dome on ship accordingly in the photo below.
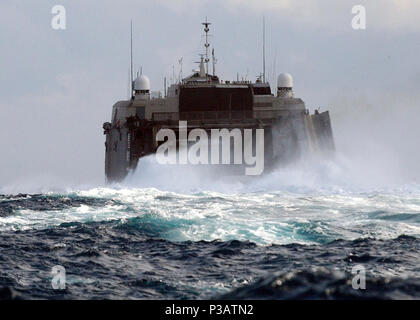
(142, 83)
(285, 80)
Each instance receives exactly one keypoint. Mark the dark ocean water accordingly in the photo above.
(151, 244)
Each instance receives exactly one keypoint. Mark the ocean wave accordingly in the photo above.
(324, 284)
(277, 217)
(117, 259)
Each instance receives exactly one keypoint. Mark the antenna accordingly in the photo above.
(275, 70)
(164, 85)
(206, 30)
(214, 62)
(263, 49)
(180, 69)
(129, 84)
(131, 59)
(201, 71)
(173, 74)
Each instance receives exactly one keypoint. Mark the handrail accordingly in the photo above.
(217, 115)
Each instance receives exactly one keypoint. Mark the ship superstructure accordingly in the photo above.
(206, 102)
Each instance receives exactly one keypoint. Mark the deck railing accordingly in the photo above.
(206, 116)
(203, 115)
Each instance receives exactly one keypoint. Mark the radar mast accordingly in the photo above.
(206, 25)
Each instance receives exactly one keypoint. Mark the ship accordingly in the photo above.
(203, 101)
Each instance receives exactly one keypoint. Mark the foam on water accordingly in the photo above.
(115, 233)
(309, 202)
(274, 217)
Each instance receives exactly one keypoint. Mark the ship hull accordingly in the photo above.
(288, 137)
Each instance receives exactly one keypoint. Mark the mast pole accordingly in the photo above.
(263, 49)
(131, 59)
(214, 62)
(206, 30)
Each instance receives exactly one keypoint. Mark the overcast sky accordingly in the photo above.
(58, 87)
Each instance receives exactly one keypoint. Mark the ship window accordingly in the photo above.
(262, 90)
(140, 113)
